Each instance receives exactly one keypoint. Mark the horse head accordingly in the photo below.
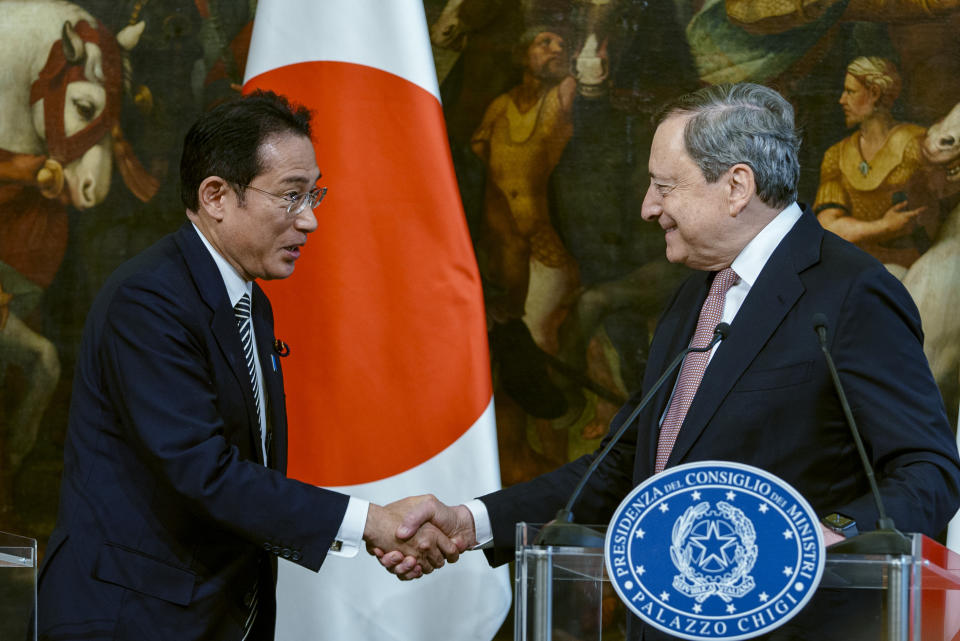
(75, 105)
(449, 32)
(941, 147)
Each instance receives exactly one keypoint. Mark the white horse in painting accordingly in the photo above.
(61, 87)
(934, 279)
(28, 30)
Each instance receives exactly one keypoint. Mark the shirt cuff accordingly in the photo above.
(481, 523)
(350, 534)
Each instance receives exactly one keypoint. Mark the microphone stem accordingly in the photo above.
(567, 510)
(883, 522)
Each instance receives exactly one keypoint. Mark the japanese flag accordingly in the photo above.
(388, 384)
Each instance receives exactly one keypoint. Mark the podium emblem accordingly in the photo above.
(714, 550)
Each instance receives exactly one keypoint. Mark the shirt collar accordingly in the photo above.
(236, 285)
(752, 258)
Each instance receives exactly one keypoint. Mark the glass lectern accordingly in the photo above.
(563, 593)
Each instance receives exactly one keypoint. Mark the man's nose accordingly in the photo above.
(650, 207)
(306, 221)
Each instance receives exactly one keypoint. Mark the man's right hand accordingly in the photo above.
(421, 512)
(422, 551)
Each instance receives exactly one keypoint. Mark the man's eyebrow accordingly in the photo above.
(299, 179)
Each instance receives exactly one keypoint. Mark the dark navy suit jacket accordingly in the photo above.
(766, 399)
(168, 516)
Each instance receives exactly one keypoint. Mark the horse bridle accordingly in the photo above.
(51, 87)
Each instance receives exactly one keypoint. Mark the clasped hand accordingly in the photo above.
(417, 535)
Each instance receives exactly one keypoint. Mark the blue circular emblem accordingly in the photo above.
(714, 550)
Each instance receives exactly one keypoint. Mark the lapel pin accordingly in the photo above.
(281, 348)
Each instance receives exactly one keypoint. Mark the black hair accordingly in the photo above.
(226, 141)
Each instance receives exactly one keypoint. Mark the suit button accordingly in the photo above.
(268, 547)
(296, 556)
(286, 553)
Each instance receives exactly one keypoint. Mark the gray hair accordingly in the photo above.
(878, 74)
(741, 123)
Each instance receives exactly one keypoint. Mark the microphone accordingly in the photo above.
(886, 539)
(563, 531)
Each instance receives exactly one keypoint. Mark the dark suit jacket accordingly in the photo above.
(767, 400)
(168, 517)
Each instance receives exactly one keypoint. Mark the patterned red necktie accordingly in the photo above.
(694, 365)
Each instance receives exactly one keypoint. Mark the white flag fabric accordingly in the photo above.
(388, 385)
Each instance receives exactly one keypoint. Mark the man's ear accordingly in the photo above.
(743, 187)
(212, 194)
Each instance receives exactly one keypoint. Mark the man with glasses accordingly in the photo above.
(174, 504)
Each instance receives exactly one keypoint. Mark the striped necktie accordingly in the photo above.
(245, 324)
(694, 365)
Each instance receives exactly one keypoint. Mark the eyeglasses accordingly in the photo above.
(296, 203)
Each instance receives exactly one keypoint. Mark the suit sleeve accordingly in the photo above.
(157, 362)
(538, 500)
(878, 349)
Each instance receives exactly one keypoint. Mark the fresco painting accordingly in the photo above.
(558, 382)
(548, 106)
(60, 139)
(95, 97)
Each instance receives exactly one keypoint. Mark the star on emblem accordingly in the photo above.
(788, 534)
(639, 533)
(664, 596)
(641, 570)
(697, 608)
(731, 608)
(731, 496)
(787, 571)
(712, 550)
(763, 597)
(695, 495)
(664, 508)
(763, 508)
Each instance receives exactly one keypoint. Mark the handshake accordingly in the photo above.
(417, 535)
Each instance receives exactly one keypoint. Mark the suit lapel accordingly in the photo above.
(770, 298)
(223, 324)
(272, 379)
